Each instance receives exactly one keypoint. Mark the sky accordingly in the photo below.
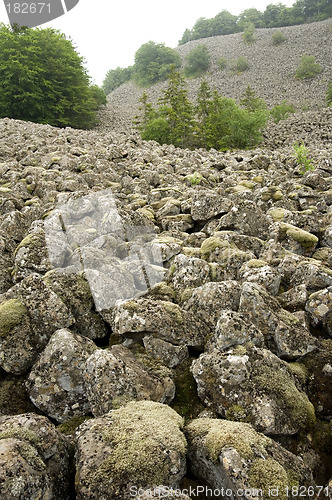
(108, 33)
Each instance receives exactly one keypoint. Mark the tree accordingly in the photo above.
(308, 68)
(250, 16)
(198, 61)
(251, 102)
(248, 34)
(116, 77)
(281, 111)
(153, 63)
(278, 38)
(43, 79)
(329, 93)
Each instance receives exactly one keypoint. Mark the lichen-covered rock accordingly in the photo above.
(253, 385)
(232, 329)
(319, 308)
(34, 459)
(56, 382)
(75, 292)
(207, 204)
(319, 365)
(234, 458)
(247, 218)
(140, 445)
(209, 300)
(294, 239)
(312, 274)
(189, 272)
(163, 319)
(31, 255)
(169, 354)
(27, 320)
(294, 299)
(113, 377)
(258, 271)
(283, 331)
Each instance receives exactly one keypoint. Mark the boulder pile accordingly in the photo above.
(165, 317)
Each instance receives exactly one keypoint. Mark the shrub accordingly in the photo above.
(301, 155)
(281, 111)
(278, 38)
(329, 93)
(43, 79)
(198, 61)
(240, 65)
(248, 34)
(116, 77)
(307, 68)
(153, 63)
(222, 63)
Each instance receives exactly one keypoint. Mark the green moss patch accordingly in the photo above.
(12, 313)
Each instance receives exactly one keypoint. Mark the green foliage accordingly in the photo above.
(43, 79)
(222, 63)
(154, 62)
(251, 102)
(329, 93)
(240, 65)
(275, 15)
(248, 34)
(278, 38)
(98, 95)
(116, 77)
(195, 178)
(198, 61)
(281, 111)
(301, 155)
(307, 68)
(215, 122)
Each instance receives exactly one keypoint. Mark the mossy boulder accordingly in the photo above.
(219, 449)
(138, 445)
(260, 383)
(12, 314)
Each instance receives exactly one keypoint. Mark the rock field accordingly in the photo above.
(165, 316)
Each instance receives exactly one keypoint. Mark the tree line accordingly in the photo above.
(274, 16)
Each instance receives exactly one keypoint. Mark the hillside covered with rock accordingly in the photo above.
(271, 72)
(206, 361)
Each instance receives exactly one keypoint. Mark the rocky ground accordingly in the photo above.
(165, 315)
(271, 72)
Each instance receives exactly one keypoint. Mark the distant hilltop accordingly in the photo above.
(271, 71)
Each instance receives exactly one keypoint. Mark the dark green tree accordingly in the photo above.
(116, 77)
(308, 67)
(198, 61)
(224, 23)
(153, 63)
(250, 16)
(43, 79)
(251, 102)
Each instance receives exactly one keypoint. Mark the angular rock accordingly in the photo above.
(234, 329)
(283, 332)
(140, 445)
(294, 239)
(209, 300)
(169, 354)
(258, 271)
(34, 458)
(164, 320)
(319, 308)
(187, 272)
(207, 204)
(253, 385)
(56, 382)
(31, 255)
(232, 457)
(113, 377)
(247, 218)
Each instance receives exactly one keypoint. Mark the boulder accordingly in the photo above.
(253, 385)
(34, 459)
(138, 446)
(56, 382)
(113, 377)
(241, 463)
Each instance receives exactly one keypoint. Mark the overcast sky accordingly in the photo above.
(107, 33)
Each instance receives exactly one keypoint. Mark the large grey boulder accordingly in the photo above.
(29, 314)
(34, 459)
(164, 320)
(253, 385)
(113, 377)
(140, 445)
(240, 462)
(56, 382)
